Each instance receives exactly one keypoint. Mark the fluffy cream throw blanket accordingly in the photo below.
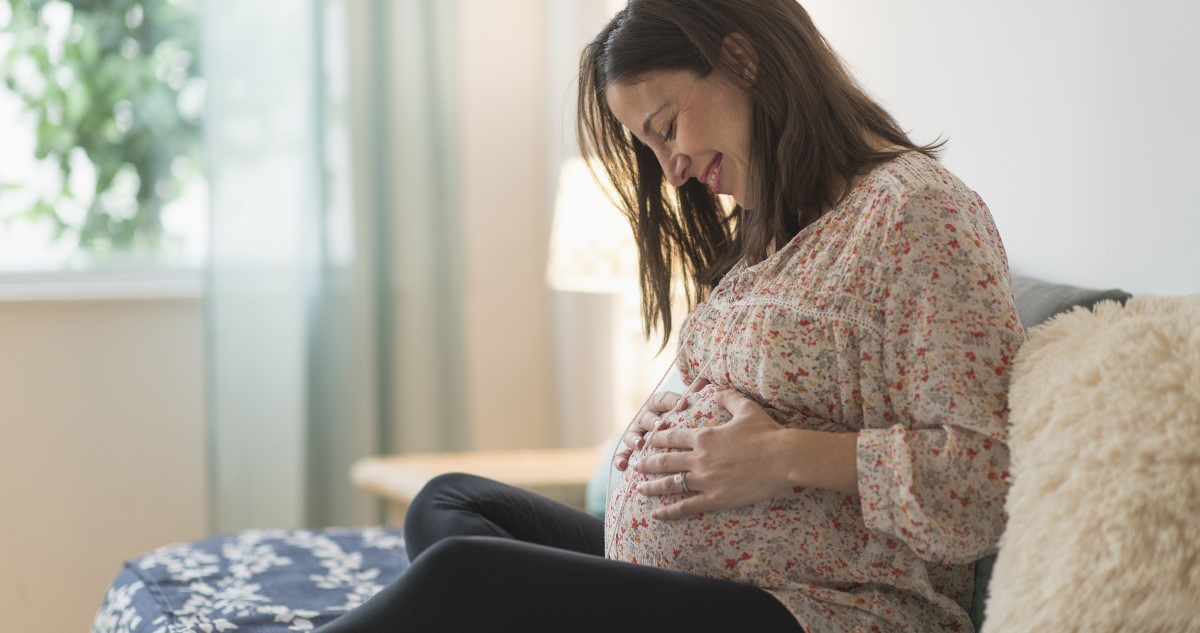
(1104, 511)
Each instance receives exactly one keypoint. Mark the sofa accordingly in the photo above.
(269, 581)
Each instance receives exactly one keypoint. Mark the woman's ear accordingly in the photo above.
(739, 56)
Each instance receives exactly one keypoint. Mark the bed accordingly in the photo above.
(255, 581)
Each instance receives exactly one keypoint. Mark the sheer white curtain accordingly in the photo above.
(313, 108)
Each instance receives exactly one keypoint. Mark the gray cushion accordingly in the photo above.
(983, 574)
(1038, 300)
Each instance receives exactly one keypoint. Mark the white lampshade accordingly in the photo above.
(591, 243)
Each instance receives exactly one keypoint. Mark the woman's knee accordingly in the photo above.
(456, 551)
(429, 595)
(443, 490)
(456, 560)
(431, 514)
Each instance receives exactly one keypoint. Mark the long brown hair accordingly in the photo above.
(810, 125)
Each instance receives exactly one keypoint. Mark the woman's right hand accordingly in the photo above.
(649, 418)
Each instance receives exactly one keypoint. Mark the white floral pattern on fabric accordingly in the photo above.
(345, 569)
(296, 620)
(892, 317)
(118, 615)
(257, 581)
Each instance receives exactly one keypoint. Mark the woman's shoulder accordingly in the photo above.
(913, 172)
(892, 187)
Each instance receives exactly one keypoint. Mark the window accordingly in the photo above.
(100, 134)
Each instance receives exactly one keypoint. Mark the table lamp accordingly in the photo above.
(591, 243)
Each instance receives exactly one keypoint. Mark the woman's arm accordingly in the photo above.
(933, 467)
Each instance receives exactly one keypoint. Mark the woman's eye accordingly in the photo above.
(670, 132)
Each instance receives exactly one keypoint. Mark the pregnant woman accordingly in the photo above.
(840, 459)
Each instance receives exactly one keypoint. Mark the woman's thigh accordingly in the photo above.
(498, 585)
(466, 505)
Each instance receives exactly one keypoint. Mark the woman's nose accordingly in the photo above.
(674, 167)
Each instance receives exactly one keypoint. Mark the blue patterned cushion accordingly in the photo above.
(258, 581)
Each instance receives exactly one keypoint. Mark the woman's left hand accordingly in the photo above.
(739, 463)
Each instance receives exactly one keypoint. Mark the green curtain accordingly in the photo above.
(332, 247)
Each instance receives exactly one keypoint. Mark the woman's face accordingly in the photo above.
(698, 127)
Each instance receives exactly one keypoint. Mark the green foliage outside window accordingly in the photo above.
(117, 80)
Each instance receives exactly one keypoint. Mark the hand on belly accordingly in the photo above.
(724, 542)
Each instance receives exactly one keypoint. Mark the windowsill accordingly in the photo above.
(131, 285)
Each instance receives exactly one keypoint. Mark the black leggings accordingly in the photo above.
(491, 558)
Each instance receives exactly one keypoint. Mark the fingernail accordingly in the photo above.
(641, 442)
(622, 464)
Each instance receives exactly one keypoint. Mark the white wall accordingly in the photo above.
(501, 55)
(102, 448)
(1076, 120)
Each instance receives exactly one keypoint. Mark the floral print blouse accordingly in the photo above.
(891, 317)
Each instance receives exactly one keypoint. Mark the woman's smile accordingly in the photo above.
(711, 175)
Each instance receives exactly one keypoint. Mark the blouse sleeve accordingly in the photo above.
(934, 471)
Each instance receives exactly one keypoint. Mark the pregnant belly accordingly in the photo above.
(765, 544)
